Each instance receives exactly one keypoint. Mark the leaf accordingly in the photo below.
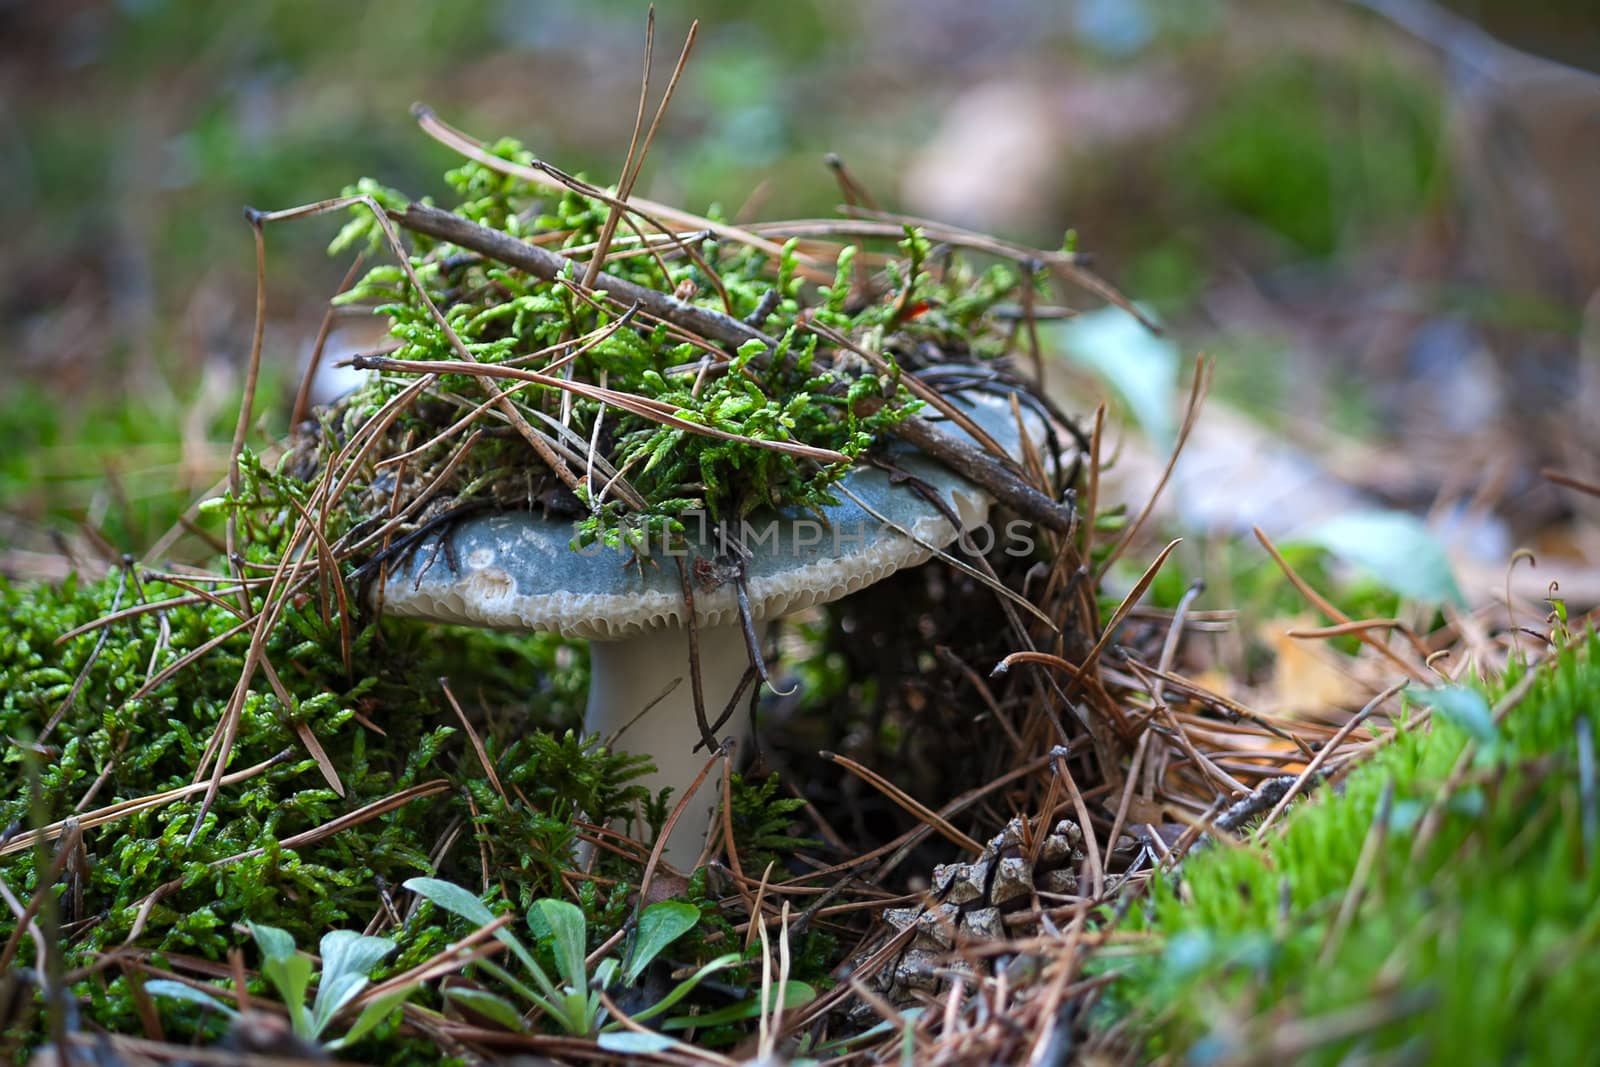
(548, 1005)
(842, 1044)
(605, 972)
(1398, 549)
(458, 901)
(165, 987)
(564, 925)
(347, 962)
(1466, 709)
(288, 971)
(795, 995)
(373, 1013)
(452, 898)
(275, 944)
(634, 1043)
(1140, 366)
(570, 936)
(346, 952)
(685, 987)
(488, 1005)
(659, 926)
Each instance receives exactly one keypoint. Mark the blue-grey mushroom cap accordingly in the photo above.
(520, 571)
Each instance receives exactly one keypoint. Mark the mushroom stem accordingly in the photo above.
(626, 675)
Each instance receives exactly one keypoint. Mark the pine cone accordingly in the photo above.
(967, 903)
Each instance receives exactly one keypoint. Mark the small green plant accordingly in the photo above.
(348, 959)
(763, 819)
(1439, 906)
(575, 1004)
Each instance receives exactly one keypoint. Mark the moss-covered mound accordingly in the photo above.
(646, 418)
(98, 734)
(1440, 904)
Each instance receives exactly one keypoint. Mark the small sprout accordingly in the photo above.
(348, 960)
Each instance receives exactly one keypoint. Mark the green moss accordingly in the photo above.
(524, 695)
(529, 690)
(1480, 948)
(800, 391)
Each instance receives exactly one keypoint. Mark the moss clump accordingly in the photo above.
(116, 742)
(805, 390)
(134, 745)
(1477, 947)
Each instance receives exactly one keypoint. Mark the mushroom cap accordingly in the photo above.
(519, 571)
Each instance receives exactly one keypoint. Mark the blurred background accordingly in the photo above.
(1381, 219)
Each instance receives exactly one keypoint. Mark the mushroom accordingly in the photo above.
(518, 571)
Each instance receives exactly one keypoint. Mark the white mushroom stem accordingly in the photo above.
(627, 674)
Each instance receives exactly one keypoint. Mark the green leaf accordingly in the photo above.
(488, 1005)
(345, 952)
(565, 926)
(288, 971)
(605, 972)
(1466, 709)
(685, 987)
(347, 962)
(552, 1006)
(452, 898)
(795, 995)
(458, 901)
(276, 945)
(570, 937)
(1398, 549)
(373, 1013)
(843, 1044)
(659, 926)
(164, 987)
(1141, 367)
(633, 1043)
